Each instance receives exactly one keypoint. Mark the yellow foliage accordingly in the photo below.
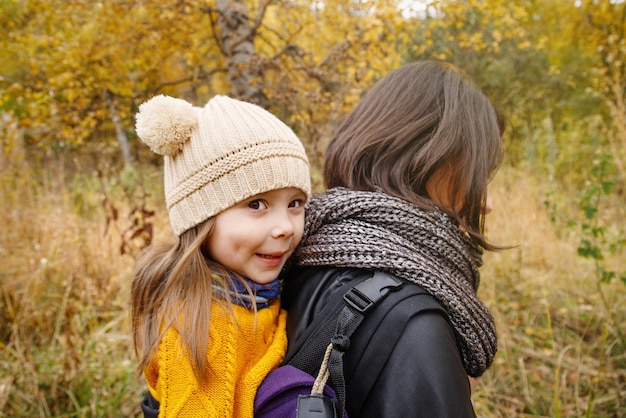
(73, 60)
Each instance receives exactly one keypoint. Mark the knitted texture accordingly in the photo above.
(241, 354)
(375, 231)
(219, 155)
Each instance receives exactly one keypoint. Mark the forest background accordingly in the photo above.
(80, 195)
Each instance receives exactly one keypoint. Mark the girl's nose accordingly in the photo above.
(284, 226)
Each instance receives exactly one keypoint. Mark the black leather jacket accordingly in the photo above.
(422, 377)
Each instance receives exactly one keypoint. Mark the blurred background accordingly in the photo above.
(80, 196)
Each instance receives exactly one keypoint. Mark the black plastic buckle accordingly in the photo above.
(316, 406)
(370, 292)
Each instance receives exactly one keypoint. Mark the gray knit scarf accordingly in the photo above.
(372, 230)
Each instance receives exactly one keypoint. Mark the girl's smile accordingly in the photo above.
(272, 260)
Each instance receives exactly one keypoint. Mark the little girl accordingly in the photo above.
(207, 324)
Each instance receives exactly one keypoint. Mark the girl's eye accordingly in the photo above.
(296, 203)
(257, 204)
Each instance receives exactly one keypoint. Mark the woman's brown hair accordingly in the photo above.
(417, 119)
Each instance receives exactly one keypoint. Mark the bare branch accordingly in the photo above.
(214, 29)
(203, 76)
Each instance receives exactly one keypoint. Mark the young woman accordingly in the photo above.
(407, 176)
(206, 318)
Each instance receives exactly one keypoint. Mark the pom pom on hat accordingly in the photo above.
(165, 124)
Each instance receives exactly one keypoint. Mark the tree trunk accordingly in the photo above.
(237, 36)
(120, 133)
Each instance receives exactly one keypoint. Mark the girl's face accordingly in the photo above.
(255, 237)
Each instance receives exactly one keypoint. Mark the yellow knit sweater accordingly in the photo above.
(240, 356)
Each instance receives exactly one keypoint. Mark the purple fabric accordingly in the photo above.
(277, 396)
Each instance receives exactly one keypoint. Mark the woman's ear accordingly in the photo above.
(439, 188)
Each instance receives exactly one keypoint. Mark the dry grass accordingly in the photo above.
(64, 333)
(560, 354)
(64, 330)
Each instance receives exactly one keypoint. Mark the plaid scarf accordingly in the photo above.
(262, 294)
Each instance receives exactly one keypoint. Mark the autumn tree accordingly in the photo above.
(237, 32)
(77, 69)
(584, 45)
(604, 26)
(492, 41)
(74, 72)
(80, 69)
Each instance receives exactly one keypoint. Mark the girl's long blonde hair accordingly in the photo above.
(173, 286)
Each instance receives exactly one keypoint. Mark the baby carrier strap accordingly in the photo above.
(385, 326)
(306, 353)
(328, 337)
(320, 350)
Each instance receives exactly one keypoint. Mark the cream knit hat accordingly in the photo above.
(219, 155)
